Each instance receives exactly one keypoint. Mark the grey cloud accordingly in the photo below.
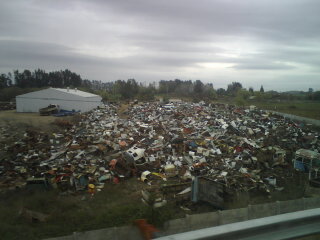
(298, 54)
(107, 40)
(278, 20)
(263, 66)
(51, 56)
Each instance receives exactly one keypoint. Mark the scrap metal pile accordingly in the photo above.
(7, 106)
(241, 148)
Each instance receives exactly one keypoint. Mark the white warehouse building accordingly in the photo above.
(67, 99)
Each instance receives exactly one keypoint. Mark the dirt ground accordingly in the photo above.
(11, 117)
(122, 112)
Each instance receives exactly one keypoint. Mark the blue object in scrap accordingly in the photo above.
(299, 165)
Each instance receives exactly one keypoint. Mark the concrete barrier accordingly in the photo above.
(203, 220)
(291, 206)
(295, 225)
(310, 203)
(262, 210)
(70, 237)
(176, 226)
(115, 233)
(233, 215)
(211, 219)
(198, 221)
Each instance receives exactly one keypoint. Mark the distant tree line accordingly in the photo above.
(126, 90)
(18, 83)
(39, 78)
(25, 81)
(130, 89)
(187, 88)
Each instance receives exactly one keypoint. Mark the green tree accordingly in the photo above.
(41, 78)
(210, 94)
(146, 93)
(221, 91)
(243, 93)
(316, 95)
(233, 88)
(4, 81)
(132, 88)
(198, 87)
(241, 97)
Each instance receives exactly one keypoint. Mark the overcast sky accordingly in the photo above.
(256, 42)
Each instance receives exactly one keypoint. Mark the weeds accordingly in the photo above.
(71, 213)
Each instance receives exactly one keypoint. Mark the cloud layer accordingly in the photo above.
(274, 44)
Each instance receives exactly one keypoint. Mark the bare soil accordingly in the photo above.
(122, 112)
(11, 117)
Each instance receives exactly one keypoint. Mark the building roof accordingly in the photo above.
(76, 92)
(64, 90)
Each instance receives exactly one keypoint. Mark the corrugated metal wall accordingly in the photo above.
(32, 102)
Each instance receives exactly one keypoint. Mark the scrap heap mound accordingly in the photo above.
(240, 148)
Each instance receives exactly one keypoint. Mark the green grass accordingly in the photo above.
(108, 208)
(309, 109)
(300, 108)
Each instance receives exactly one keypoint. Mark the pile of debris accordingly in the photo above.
(7, 106)
(163, 145)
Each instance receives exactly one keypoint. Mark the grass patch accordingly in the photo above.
(309, 109)
(109, 208)
(300, 108)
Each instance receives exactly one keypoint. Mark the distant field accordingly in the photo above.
(300, 108)
(11, 117)
(309, 109)
(30, 120)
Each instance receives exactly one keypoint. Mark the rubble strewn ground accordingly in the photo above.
(7, 106)
(158, 148)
